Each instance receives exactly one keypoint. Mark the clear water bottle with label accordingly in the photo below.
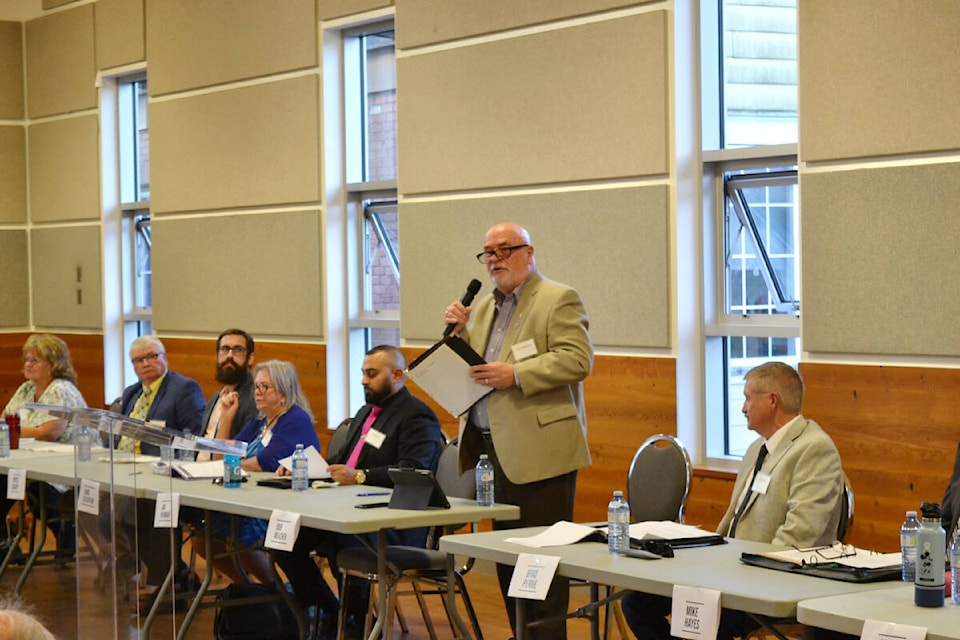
(84, 443)
(931, 547)
(485, 497)
(908, 546)
(4, 439)
(618, 524)
(301, 474)
(955, 567)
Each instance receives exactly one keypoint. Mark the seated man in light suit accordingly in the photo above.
(788, 490)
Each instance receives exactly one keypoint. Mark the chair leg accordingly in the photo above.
(468, 605)
(424, 609)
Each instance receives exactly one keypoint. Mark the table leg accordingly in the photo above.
(521, 624)
(451, 599)
(38, 546)
(14, 542)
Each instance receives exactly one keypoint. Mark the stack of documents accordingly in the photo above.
(836, 562)
(678, 535)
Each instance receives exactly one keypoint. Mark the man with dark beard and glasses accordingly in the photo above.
(394, 429)
(234, 362)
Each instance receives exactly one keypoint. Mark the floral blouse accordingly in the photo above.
(60, 392)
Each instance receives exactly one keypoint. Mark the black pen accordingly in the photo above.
(368, 495)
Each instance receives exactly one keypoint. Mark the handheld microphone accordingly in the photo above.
(467, 298)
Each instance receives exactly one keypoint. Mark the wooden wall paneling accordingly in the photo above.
(709, 496)
(196, 358)
(896, 429)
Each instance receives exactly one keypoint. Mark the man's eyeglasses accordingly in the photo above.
(150, 357)
(263, 387)
(501, 253)
(226, 349)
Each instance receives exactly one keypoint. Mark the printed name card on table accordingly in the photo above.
(167, 513)
(877, 630)
(532, 576)
(695, 613)
(16, 484)
(89, 497)
(283, 530)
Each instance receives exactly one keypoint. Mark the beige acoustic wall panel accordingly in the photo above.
(61, 63)
(51, 4)
(120, 37)
(421, 22)
(14, 294)
(65, 264)
(13, 175)
(258, 271)
(64, 169)
(11, 71)
(610, 244)
(199, 44)
(243, 147)
(580, 103)
(881, 271)
(878, 78)
(329, 9)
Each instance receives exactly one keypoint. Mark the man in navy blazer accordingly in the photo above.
(175, 402)
(404, 432)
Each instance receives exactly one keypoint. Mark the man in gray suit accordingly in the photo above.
(533, 334)
(788, 490)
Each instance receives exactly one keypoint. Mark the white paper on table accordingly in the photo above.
(317, 467)
(848, 556)
(666, 530)
(877, 630)
(559, 534)
(695, 613)
(532, 576)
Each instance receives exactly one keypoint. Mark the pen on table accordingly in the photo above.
(375, 493)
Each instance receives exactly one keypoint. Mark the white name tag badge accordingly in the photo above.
(532, 576)
(167, 513)
(760, 483)
(16, 484)
(283, 530)
(524, 350)
(89, 501)
(375, 438)
(877, 630)
(157, 424)
(695, 613)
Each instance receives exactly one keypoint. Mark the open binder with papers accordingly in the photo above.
(443, 371)
(677, 536)
(834, 562)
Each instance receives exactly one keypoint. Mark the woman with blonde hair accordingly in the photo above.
(51, 380)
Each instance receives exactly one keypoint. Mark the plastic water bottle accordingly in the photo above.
(301, 474)
(4, 439)
(84, 443)
(618, 524)
(908, 546)
(485, 496)
(955, 568)
(931, 546)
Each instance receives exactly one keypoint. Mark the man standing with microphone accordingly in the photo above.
(534, 336)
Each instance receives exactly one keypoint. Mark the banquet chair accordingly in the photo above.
(419, 566)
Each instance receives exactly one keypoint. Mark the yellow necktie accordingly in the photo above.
(140, 410)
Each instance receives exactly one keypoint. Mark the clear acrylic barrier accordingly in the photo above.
(112, 522)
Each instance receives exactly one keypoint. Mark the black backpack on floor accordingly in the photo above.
(270, 620)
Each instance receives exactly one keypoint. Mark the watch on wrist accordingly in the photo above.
(361, 476)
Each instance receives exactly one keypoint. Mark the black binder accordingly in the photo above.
(416, 489)
(826, 569)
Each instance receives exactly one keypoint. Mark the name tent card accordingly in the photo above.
(532, 576)
(167, 513)
(877, 630)
(16, 484)
(695, 613)
(89, 501)
(283, 530)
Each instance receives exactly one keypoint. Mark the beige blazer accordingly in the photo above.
(801, 505)
(539, 428)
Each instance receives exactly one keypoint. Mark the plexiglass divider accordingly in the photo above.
(123, 504)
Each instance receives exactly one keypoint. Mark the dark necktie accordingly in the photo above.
(743, 505)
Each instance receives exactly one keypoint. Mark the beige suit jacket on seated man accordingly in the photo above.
(801, 503)
(542, 421)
